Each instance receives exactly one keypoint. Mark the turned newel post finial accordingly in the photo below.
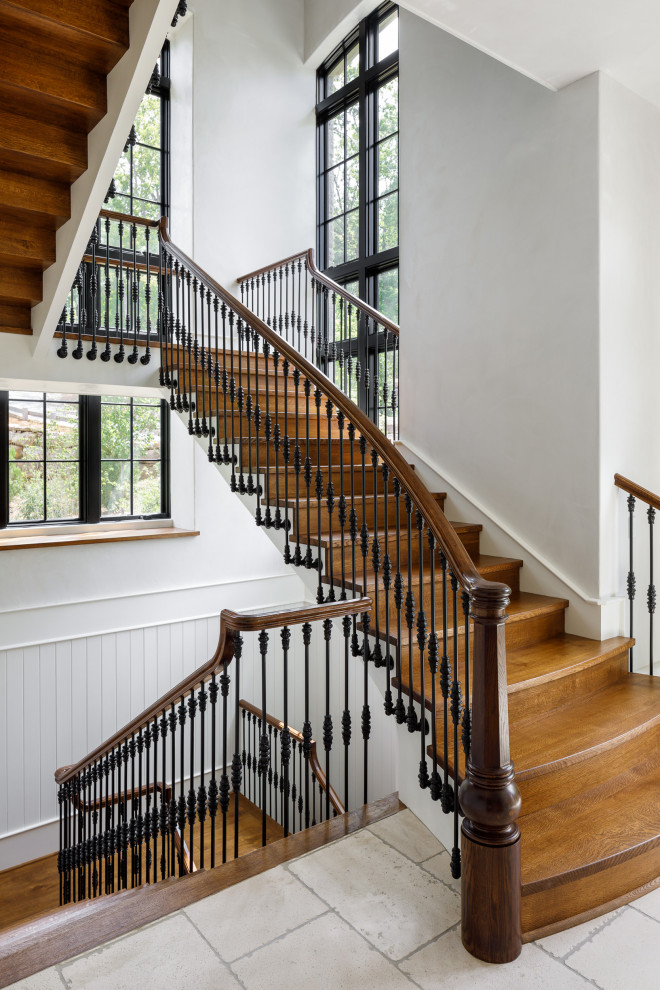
(489, 796)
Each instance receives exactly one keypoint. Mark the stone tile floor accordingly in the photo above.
(377, 909)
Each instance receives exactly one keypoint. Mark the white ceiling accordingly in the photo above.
(559, 41)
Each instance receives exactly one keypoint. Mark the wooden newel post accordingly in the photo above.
(490, 799)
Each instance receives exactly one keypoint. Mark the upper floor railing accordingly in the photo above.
(351, 342)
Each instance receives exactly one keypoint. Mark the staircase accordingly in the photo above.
(576, 832)
(54, 59)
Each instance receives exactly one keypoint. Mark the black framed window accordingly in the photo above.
(357, 115)
(141, 183)
(69, 458)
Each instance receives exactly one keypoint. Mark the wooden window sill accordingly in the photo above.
(103, 536)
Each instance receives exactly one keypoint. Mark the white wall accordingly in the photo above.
(253, 135)
(630, 317)
(499, 290)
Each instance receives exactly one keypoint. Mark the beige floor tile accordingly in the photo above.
(446, 964)
(623, 956)
(170, 953)
(48, 979)
(324, 953)
(440, 867)
(564, 942)
(274, 902)
(407, 834)
(649, 904)
(392, 902)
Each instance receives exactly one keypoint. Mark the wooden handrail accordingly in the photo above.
(128, 218)
(641, 493)
(455, 552)
(329, 284)
(313, 756)
(230, 624)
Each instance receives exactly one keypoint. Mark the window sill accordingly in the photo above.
(42, 540)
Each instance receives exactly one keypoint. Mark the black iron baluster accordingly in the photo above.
(236, 759)
(650, 595)
(164, 805)
(232, 397)
(387, 585)
(105, 355)
(204, 355)
(264, 744)
(155, 735)
(277, 434)
(286, 453)
(93, 288)
(353, 532)
(189, 403)
(421, 643)
(327, 719)
(282, 318)
(119, 356)
(249, 409)
(411, 714)
(135, 300)
(195, 352)
(447, 800)
(254, 749)
(181, 806)
(140, 820)
(213, 783)
(257, 427)
(246, 756)
(341, 505)
(298, 316)
(307, 726)
(330, 497)
(270, 770)
(146, 357)
(285, 748)
(268, 519)
(273, 771)
(377, 653)
(297, 465)
(306, 324)
(216, 381)
(202, 699)
(225, 385)
(171, 866)
(240, 399)
(435, 782)
(294, 789)
(307, 388)
(631, 574)
(346, 714)
(63, 349)
(456, 709)
(77, 353)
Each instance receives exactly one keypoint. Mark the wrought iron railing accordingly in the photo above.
(165, 795)
(351, 342)
(350, 510)
(637, 569)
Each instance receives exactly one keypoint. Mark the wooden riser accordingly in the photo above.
(374, 509)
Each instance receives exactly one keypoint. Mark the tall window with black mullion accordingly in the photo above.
(358, 171)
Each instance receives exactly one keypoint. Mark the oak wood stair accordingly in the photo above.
(584, 732)
(54, 59)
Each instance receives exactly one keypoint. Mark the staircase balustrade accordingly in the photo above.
(636, 493)
(162, 797)
(347, 508)
(354, 344)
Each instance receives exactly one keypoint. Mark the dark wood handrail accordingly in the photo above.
(329, 284)
(641, 493)
(313, 756)
(128, 218)
(230, 624)
(459, 560)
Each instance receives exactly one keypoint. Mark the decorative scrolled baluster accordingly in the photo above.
(240, 404)
(249, 410)
(307, 389)
(297, 315)
(447, 797)
(134, 296)
(306, 324)
(285, 748)
(202, 699)
(307, 725)
(264, 744)
(435, 781)
(327, 718)
(213, 783)
(181, 803)
(377, 653)
(456, 711)
(146, 357)
(297, 465)
(277, 437)
(236, 774)
(224, 779)
(631, 581)
(78, 289)
(163, 818)
(63, 349)
(330, 502)
(191, 803)
(346, 714)
(423, 776)
(232, 398)
(119, 356)
(172, 824)
(411, 715)
(364, 539)
(258, 515)
(93, 289)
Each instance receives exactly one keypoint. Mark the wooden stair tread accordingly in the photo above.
(557, 657)
(566, 735)
(592, 830)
